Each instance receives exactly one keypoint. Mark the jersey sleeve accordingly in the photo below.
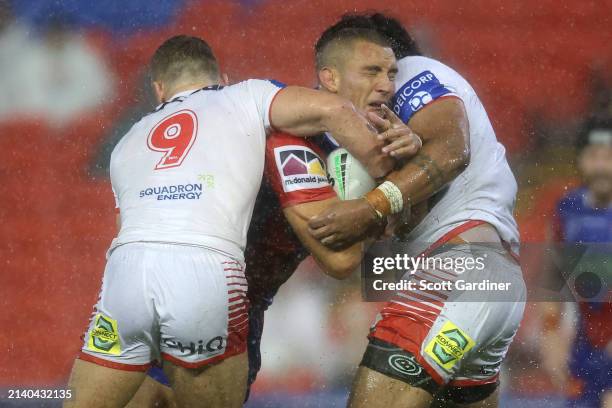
(263, 93)
(295, 170)
(422, 81)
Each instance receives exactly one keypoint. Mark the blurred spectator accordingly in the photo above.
(601, 96)
(580, 363)
(55, 78)
(14, 41)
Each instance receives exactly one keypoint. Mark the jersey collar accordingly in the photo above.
(194, 90)
(181, 94)
(177, 96)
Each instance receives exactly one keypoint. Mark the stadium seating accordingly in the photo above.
(57, 222)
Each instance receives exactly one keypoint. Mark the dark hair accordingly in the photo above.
(402, 43)
(181, 56)
(335, 36)
(396, 35)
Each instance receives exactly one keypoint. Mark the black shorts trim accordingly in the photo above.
(467, 394)
(399, 364)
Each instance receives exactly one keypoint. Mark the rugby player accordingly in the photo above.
(278, 238)
(428, 345)
(584, 216)
(368, 84)
(185, 179)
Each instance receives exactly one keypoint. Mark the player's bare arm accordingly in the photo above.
(324, 112)
(338, 264)
(445, 153)
(444, 129)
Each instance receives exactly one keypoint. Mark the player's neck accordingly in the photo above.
(188, 87)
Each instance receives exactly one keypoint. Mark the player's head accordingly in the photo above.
(356, 63)
(183, 62)
(399, 39)
(595, 159)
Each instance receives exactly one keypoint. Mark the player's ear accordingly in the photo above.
(329, 79)
(224, 79)
(158, 88)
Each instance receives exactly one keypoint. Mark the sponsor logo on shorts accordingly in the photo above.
(404, 364)
(214, 345)
(104, 337)
(174, 192)
(449, 346)
(300, 168)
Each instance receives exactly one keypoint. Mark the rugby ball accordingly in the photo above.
(349, 178)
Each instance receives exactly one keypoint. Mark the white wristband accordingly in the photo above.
(394, 195)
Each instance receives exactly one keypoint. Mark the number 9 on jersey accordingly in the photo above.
(174, 135)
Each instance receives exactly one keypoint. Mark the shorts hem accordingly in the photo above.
(113, 364)
(404, 345)
(473, 383)
(199, 364)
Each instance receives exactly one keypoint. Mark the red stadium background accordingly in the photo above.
(537, 66)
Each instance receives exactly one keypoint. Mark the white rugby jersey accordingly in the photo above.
(486, 189)
(189, 172)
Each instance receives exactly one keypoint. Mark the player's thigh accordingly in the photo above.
(483, 328)
(122, 331)
(202, 307)
(152, 394)
(220, 385)
(451, 339)
(117, 346)
(95, 386)
(470, 339)
(445, 398)
(203, 320)
(492, 401)
(373, 389)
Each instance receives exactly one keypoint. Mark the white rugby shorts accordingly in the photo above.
(460, 337)
(184, 304)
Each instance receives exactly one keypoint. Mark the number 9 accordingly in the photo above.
(174, 135)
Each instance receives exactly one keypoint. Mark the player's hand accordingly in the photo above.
(378, 163)
(344, 223)
(400, 141)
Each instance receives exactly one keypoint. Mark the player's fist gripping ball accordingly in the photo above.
(349, 178)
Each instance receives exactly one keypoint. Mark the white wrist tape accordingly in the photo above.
(394, 195)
